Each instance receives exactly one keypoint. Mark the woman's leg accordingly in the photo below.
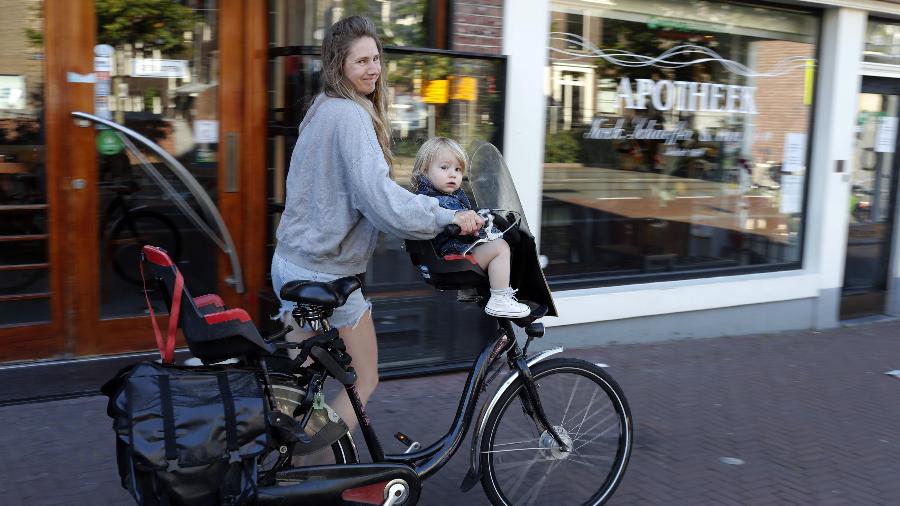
(363, 348)
(494, 257)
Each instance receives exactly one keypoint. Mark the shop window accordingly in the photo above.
(676, 141)
(25, 292)
(399, 22)
(882, 42)
(431, 93)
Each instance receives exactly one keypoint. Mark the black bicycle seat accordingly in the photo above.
(330, 294)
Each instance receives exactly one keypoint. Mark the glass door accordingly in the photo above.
(873, 177)
(159, 78)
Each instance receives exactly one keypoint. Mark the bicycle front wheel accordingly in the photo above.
(522, 465)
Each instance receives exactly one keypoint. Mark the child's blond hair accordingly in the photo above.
(429, 150)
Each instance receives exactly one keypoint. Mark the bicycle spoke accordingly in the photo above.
(586, 411)
(594, 457)
(598, 424)
(524, 474)
(507, 466)
(593, 439)
(513, 450)
(517, 442)
(568, 404)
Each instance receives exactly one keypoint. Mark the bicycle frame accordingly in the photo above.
(429, 460)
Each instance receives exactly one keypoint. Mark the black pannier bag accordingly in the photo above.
(187, 436)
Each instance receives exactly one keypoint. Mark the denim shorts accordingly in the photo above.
(347, 315)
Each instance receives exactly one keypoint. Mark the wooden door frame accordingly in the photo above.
(68, 34)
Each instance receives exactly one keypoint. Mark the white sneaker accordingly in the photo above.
(503, 303)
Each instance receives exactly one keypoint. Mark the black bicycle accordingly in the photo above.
(128, 228)
(555, 431)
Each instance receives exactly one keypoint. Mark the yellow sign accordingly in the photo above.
(436, 92)
(464, 88)
(808, 82)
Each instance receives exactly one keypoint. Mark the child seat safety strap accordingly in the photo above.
(167, 347)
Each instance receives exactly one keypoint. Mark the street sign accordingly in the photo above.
(108, 142)
(436, 92)
(464, 88)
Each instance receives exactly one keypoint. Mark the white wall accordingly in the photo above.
(525, 35)
(837, 91)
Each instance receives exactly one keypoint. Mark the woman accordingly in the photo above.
(340, 194)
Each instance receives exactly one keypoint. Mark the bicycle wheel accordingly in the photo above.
(132, 233)
(521, 466)
(287, 398)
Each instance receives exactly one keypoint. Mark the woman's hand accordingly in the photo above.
(469, 222)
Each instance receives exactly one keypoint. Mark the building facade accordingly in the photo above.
(710, 168)
(698, 168)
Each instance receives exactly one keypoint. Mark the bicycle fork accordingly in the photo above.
(531, 403)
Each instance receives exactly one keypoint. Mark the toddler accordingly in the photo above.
(438, 172)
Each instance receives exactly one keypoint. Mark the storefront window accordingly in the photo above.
(430, 93)
(399, 22)
(24, 233)
(676, 139)
(882, 42)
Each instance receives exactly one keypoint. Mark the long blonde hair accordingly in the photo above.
(335, 48)
(427, 153)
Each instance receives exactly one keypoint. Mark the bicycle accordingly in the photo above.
(133, 227)
(529, 446)
(552, 431)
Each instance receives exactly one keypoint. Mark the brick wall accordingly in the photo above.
(779, 100)
(477, 27)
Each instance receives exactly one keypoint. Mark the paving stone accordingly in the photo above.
(811, 414)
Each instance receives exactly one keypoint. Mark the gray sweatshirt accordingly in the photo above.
(339, 194)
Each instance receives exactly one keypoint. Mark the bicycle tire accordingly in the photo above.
(573, 468)
(287, 397)
(132, 233)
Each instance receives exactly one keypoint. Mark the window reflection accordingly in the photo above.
(882, 42)
(24, 234)
(157, 75)
(399, 22)
(676, 138)
(430, 94)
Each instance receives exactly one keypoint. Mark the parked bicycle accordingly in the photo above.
(128, 228)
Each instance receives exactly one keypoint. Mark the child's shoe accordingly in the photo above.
(467, 295)
(503, 303)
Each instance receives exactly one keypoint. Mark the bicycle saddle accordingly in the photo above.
(326, 294)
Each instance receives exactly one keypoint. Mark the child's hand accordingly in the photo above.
(469, 222)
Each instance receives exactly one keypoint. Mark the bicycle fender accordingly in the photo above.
(474, 474)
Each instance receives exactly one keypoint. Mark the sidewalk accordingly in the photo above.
(805, 418)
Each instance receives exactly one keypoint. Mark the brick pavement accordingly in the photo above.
(810, 414)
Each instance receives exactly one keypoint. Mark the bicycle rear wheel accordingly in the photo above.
(342, 451)
(522, 466)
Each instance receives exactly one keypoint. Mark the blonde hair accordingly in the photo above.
(427, 153)
(335, 49)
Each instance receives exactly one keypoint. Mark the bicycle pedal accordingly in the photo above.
(411, 446)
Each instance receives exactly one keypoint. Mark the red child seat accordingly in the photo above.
(213, 333)
(451, 272)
